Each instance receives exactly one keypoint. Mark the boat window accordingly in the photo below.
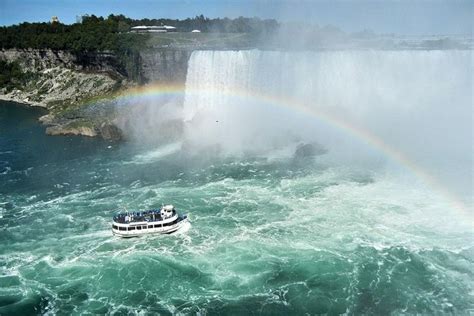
(114, 227)
(122, 228)
(150, 226)
(131, 228)
(139, 227)
(157, 225)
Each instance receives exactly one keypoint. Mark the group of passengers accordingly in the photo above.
(148, 216)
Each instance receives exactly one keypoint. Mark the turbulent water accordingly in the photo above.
(351, 231)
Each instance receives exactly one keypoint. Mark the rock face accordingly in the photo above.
(164, 65)
(61, 86)
(107, 131)
(71, 130)
(110, 132)
(309, 150)
(61, 78)
(64, 83)
(40, 59)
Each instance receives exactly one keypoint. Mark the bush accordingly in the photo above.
(11, 75)
(111, 34)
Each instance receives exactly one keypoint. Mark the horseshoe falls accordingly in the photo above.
(315, 182)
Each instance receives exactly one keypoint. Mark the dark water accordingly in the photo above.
(266, 237)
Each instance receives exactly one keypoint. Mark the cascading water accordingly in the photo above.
(414, 102)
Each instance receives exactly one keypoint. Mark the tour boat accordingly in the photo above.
(163, 221)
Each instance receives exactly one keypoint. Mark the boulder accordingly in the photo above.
(70, 130)
(309, 150)
(110, 132)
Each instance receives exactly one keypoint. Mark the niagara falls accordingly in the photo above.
(228, 165)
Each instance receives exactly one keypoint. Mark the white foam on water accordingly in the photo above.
(402, 98)
(381, 213)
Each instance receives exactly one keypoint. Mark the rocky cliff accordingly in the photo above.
(64, 83)
(60, 78)
(164, 65)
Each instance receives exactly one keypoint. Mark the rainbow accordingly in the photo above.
(174, 90)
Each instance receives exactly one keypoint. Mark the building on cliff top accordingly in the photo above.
(153, 29)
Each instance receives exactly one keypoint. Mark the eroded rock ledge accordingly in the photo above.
(106, 130)
(67, 85)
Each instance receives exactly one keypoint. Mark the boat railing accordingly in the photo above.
(134, 217)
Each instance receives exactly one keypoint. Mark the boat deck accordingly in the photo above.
(135, 217)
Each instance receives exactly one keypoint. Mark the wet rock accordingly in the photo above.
(110, 132)
(309, 150)
(46, 119)
(71, 130)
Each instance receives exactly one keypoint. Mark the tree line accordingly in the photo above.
(111, 34)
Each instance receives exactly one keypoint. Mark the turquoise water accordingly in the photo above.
(267, 236)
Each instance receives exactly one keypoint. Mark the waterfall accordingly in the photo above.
(419, 102)
(390, 93)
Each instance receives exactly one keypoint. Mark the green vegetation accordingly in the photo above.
(201, 40)
(12, 77)
(111, 34)
(93, 34)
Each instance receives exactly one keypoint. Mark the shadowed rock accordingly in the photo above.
(309, 150)
(110, 132)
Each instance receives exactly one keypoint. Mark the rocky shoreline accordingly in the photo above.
(89, 127)
(69, 118)
(24, 99)
(66, 89)
(70, 87)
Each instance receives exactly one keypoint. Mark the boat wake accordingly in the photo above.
(183, 229)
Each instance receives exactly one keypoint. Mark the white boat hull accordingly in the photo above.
(140, 229)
